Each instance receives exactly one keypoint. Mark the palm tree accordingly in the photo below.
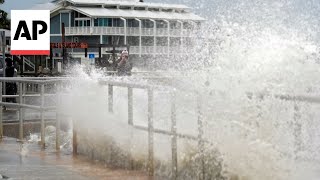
(4, 21)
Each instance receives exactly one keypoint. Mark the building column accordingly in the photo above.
(91, 25)
(60, 27)
(168, 36)
(125, 30)
(140, 38)
(69, 22)
(154, 37)
(181, 36)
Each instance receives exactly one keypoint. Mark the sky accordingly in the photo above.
(25, 4)
(20, 4)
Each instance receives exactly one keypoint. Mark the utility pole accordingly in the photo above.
(63, 40)
(3, 43)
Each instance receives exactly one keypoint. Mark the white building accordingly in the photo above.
(150, 29)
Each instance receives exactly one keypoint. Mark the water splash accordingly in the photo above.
(249, 46)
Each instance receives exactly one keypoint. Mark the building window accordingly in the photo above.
(117, 22)
(132, 23)
(139, 8)
(96, 22)
(125, 7)
(154, 9)
(110, 22)
(100, 22)
(107, 39)
(105, 21)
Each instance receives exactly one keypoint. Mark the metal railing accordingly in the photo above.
(21, 105)
(173, 133)
(26, 61)
(131, 31)
(150, 129)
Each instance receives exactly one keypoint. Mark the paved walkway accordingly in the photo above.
(27, 161)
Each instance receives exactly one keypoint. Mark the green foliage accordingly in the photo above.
(4, 21)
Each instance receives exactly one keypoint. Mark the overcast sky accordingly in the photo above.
(293, 12)
(25, 4)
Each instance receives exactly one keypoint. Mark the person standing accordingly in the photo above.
(11, 87)
(124, 66)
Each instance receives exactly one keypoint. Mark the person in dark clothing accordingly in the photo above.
(11, 87)
(124, 66)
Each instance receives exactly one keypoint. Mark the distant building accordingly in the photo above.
(8, 40)
(150, 29)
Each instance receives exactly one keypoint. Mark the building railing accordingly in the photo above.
(131, 31)
(149, 128)
(24, 85)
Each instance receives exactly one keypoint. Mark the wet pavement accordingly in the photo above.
(28, 161)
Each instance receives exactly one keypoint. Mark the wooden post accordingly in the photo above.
(150, 134)
(110, 98)
(174, 144)
(74, 138)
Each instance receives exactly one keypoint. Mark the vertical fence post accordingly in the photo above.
(150, 134)
(174, 145)
(297, 129)
(130, 123)
(1, 112)
(110, 98)
(130, 106)
(58, 116)
(200, 137)
(20, 112)
(74, 138)
(42, 117)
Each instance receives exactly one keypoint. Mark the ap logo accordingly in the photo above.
(30, 32)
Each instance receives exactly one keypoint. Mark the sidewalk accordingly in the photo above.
(27, 161)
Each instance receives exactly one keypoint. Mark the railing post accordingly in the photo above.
(130, 106)
(110, 98)
(150, 134)
(1, 112)
(74, 138)
(297, 129)
(42, 117)
(20, 112)
(200, 137)
(174, 145)
(58, 117)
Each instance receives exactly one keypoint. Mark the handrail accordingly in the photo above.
(21, 82)
(111, 82)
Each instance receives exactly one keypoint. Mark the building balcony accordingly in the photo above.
(131, 31)
(150, 50)
(145, 50)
